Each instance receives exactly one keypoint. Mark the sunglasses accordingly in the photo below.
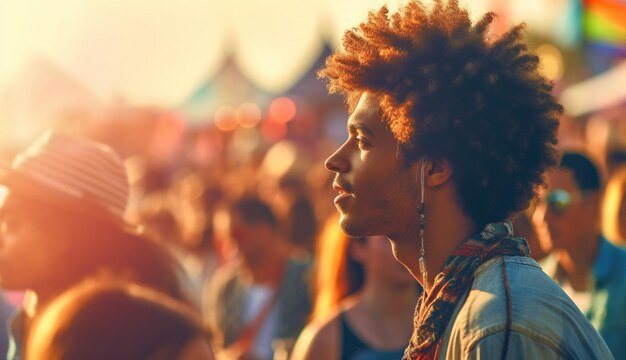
(559, 200)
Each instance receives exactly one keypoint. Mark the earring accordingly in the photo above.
(421, 209)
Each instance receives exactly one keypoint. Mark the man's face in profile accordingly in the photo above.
(377, 192)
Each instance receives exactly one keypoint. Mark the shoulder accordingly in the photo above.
(609, 272)
(320, 339)
(519, 347)
(225, 277)
(613, 250)
(296, 280)
(541, 314)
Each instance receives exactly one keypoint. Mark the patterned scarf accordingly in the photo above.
(434, 310)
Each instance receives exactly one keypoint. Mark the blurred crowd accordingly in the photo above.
(223, 242)
(259, 254)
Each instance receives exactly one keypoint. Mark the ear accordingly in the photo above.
(437, 172)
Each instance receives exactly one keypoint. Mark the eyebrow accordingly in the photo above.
(354, 127)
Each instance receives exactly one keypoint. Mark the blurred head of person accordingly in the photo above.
(568, 213)
(62, 219)
(157, 216)
(344, 266)
(300, 223)
(254, 231)
(107, 319)
(614, 207)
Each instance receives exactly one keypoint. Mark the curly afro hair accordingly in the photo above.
(447, 90)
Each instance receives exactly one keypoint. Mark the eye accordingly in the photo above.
(361, 142)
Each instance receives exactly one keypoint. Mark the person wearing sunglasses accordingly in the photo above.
(590, 269)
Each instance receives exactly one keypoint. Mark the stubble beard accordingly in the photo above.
(355, 226)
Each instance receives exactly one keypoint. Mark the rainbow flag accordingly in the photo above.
(604, 24)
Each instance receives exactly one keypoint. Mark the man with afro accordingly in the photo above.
(451, 130)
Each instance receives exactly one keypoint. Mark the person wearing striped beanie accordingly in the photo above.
(62, 221)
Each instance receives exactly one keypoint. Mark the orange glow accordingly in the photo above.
(332, 282)
(226, 118)
(248, 115)
(273, 131)
(282, 109)
(551, 61)
(280, 158)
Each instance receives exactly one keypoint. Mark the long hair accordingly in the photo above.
(109, 319)
(337, 275)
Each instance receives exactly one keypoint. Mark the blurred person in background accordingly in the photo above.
(614, 207)
(178, 220)
(450, 134)
(103, 319)
(299, 221)
(364, 300)
(62, 220)
(590, 269)
(262, 294)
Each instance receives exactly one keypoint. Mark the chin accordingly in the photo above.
(353, 227)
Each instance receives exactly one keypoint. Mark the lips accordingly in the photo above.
(343, 190)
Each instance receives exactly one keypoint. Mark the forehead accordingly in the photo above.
(562, 179)
(367, 113)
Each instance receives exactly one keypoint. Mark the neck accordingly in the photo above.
(392, 301)
(577, 262)
(446, 229)
(385, 318)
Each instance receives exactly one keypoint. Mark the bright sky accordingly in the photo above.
(158, 52)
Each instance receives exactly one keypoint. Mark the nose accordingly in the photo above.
(337, 161)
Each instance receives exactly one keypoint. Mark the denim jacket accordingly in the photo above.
(545, 323)
(607, 310)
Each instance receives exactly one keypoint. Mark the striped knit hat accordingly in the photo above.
(69, 171)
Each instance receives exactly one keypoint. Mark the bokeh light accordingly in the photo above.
(551, 61)
(248, 115)
(282, 109)
(273, 131)
(226, 118)
(280, 158)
